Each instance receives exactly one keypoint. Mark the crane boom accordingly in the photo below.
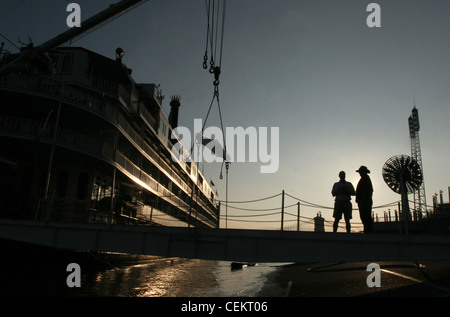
(39, 52)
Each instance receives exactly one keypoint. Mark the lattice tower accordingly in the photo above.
(420, 203)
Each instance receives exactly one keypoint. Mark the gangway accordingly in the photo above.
(228, 244)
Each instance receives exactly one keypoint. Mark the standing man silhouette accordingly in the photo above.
(343, 191)
(364, 192)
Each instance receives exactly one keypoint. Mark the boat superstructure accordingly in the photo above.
(89, 144)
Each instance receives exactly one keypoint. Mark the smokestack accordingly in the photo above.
(174, 106)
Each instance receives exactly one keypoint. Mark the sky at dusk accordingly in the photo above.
(339, 92)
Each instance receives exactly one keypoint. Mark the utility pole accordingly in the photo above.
(282, 211)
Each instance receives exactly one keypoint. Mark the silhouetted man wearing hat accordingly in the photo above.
(364, 192)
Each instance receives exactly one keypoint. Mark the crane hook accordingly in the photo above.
(216, 75)
(205, 59)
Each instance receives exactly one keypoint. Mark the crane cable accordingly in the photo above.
(212, 37)
(213, 11)
(212, 40)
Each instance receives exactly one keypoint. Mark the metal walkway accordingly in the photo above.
(229, 244)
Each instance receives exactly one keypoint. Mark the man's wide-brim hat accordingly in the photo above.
(363, 169)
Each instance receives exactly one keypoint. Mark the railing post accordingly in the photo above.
(47, 210)
(282, 210)
(111, 209)
(218, 216)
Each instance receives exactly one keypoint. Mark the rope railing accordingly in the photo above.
(257, 214)
(250, 201)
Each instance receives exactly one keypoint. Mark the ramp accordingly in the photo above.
(229, 244)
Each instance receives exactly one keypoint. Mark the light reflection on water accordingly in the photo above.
(176, 278)
(43, 273)
(156, 278)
